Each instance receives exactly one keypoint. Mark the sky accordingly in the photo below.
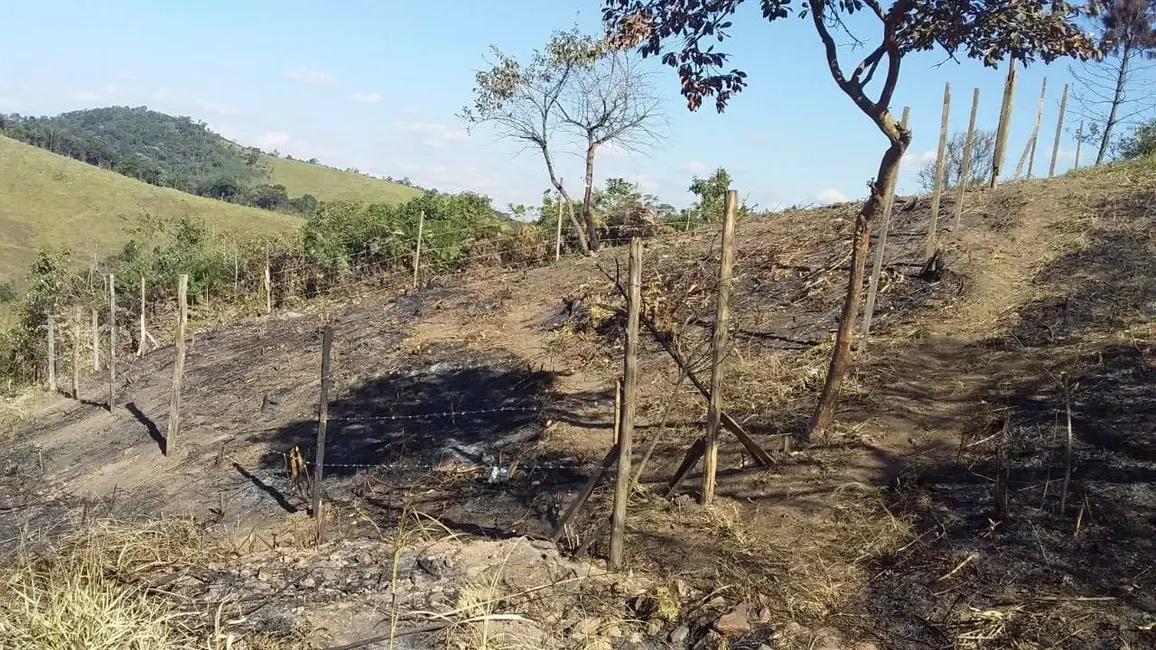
(375, 85)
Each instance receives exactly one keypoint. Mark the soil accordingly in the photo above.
(929, 517)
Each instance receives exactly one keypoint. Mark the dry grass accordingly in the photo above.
(17, 408)
(88, 590)
(803, 572)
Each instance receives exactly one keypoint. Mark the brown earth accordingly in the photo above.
(929, 517)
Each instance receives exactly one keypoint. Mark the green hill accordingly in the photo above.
(328, 184)
(183, 154)
(50, 200)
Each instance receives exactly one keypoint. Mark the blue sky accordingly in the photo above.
(375, 85)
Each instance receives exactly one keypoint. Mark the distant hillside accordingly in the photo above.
(50, 200)
(328, 184)
(183, 154)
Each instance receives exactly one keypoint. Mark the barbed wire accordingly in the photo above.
(529, 466)
(433, 416)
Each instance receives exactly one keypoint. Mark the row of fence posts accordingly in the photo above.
(178, 364)
(931, 246)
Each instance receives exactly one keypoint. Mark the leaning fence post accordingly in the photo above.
(111, 340)
(417, 248)
(629, 384)
(940, 167)
(178, 365)
(1005, 111)
(322, 425)
(965, 167)
(267, 279)
(51, 353)
(1059, 132)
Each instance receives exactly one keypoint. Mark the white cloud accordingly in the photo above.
(693, 167)
(915, 160)
(366, 98)
(831, 195)
(217, 107)
(272, 139)
(161, 93)
(308, 75)
(435, 135)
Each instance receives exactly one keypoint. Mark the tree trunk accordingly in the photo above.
(841, 357)
(587, 199)
(1117, 98)
(557, 183)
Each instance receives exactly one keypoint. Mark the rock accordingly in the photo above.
(365, 559)
(263, 574)
(679, 634)
(735, 623)
(612, 631)
(765, 615)
(309, 582)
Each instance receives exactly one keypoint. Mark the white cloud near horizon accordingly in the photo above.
(831, 195)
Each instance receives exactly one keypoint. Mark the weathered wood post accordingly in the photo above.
(76, 352)
(718, 345)
(965, 167)
(940, 168)
(1005, 111)
(417, 248)
(626, 426)
(111, 341)
(178, 365)
(322, 425)
(1059, 132)
(52, 353)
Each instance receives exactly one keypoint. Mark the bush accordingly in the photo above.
(1141, 142)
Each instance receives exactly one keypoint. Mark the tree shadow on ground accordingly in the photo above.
(1005, 557)
(450, 426)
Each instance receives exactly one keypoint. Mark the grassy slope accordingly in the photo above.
(326, 184)
(51, 200)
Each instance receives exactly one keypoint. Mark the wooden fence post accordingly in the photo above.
(178, 366)
(140, 350)
(76, 352)
(111, 341)
(52, 353)
(880, 247)
(268, 281)
(626, 426)
(1059, 132)
(558, 230)
(322, 425)
(721, 321)
(965, 167)
(95, 341)
(1029, 153)
(1005, 111)
(417, 248)
(940, 167)
(1079, 144)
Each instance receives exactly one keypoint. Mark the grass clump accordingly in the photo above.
(87, 590)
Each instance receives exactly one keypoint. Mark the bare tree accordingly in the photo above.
(611, 101)
(1025, 30)
(520, 101)
(1118, 89)
(982, 152)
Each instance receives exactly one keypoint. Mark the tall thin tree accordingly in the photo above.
(1118, 89)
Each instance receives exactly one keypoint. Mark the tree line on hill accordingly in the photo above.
(162, 150)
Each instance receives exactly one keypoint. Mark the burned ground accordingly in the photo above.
(854, 536)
